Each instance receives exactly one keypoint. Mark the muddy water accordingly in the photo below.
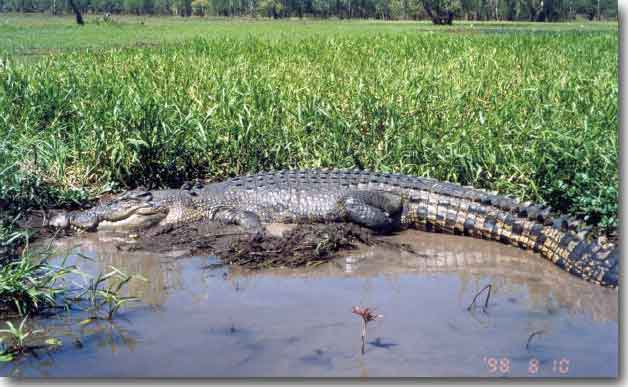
(198, 318)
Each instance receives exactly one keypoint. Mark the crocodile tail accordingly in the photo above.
(524, 225)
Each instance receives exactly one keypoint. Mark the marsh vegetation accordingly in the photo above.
(529, 111)
(525, 109)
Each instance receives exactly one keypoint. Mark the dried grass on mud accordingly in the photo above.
(303, 245)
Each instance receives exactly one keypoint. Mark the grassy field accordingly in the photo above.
(29, 35)
(525, 109)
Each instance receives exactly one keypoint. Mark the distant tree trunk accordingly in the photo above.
(510, 14)
(535, 12)
(77, 12)
(549, 11)
(185, 8)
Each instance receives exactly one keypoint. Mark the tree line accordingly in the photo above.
(439, 11)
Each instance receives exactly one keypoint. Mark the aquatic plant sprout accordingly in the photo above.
(368, 315)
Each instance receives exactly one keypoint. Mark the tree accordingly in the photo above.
(77, 13)
(271, 8)
(110, 6)
(534, 8)
(440, 11)
(133, 6)
(549, 12)
(321, 8)
(511, 10)
(469, 9)
(185, 8)
(148, 7)
(163, 7)
(199, 7)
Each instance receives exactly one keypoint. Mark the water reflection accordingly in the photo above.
(96, 253)
(474, 262)
(107, 335)
(511, 270)
(199, 318)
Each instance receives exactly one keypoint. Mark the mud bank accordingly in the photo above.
(281, 245)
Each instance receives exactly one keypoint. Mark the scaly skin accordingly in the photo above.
(381, 201)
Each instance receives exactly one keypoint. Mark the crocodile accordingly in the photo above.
(384, 202)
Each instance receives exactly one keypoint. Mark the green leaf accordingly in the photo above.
(137, 141)
(7, 357)
(53, 341)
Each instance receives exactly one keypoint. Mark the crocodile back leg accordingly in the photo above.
(377, 210)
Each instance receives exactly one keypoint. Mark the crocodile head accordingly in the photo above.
(134, 210)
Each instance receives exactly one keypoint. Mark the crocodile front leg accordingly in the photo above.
(377, 210)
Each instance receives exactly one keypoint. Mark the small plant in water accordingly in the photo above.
(368, 315)
(488, 296)
(18, 337)
(532, 335)
(30, 284)
(104, 290)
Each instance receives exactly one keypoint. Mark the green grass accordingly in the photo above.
(31, 284)
(526, 109)
(37, 34)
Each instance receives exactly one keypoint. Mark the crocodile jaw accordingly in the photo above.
(127, 219)
(132, 223)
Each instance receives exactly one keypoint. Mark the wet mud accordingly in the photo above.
(281, 245)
